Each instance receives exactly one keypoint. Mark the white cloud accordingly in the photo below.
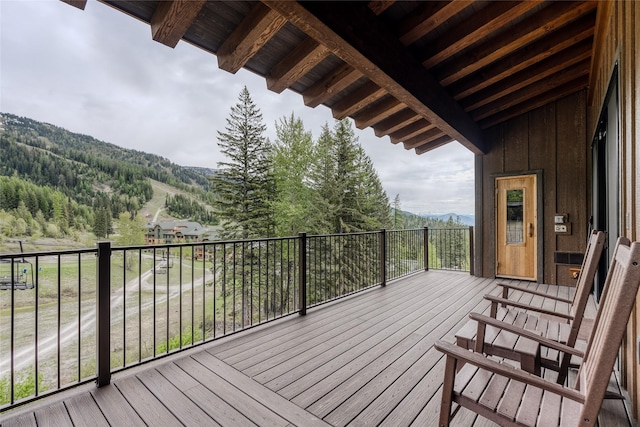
(98, 72)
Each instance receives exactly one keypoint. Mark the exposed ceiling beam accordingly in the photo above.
(352, 32)
(414, 129)
(423, 138)
(172, 19)
(80, 4)
(395, 122)
(378, 112)
(429, 16)
(548, 67)
(362, 97)
(432, 145)
(304, 57)
(480, 25)
(254, 31)
(335, 81)
(537, 51)
(379, 6)
(565, 76)
(554, 16)
(602, 21)
(538, 101)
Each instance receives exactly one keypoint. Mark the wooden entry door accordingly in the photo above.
(516, 223)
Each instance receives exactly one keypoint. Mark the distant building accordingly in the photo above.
(168, 232)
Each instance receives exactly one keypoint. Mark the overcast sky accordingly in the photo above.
(98, 72)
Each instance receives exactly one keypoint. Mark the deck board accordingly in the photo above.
(363, 360)
(115, 407)
(83, 410)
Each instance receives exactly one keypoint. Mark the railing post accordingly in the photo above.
(302, 256)
(103, 314)
(471, 257)
(383, 257)
(426, 248)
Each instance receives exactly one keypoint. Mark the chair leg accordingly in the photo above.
(563, 367)
(447, 391)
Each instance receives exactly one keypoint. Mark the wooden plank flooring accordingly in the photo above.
(363, 361)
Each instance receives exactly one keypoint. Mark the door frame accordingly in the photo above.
(539, 223)
(605, 204)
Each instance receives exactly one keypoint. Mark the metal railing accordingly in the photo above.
(70, 317)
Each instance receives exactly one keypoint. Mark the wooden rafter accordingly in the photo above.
(362, 97)
(602, 19)
(378, 112)
(254, 31)
(379, 6)
(543, 69)
(395, 122)
(80, 4)
(565, 76)
(538, 101)
(352, 32)
(414, 129)
(172, 19)
(427, 18)
(422, 138)
(304, 57)
(554, 16)
(340, 78)
(480, 25)
(432, 145)
(537, 51)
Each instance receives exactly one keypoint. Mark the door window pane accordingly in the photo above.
(515, 211)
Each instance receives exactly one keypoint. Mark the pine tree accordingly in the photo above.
(348, 193)
(325, 196)
(398, 217)
(244, 184)
(292, 158)
(348, 198)
(245, 190)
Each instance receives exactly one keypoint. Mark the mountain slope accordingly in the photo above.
(87, 171)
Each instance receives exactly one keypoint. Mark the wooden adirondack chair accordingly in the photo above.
(511, 396)
(595, 245)
(500, 340)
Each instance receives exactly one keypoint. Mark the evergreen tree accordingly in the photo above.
(292, 157)
(348, 193)
(100, 223)
(244, 184)
(398, 217)
(245, 190)
(348, 198)
(325, 195)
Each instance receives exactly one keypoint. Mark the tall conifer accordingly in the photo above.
(244, 184)
(292, 157)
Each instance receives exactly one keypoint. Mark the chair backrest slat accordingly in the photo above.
(587, 273)
(621, 288)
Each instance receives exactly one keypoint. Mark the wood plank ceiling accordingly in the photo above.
(423, 73)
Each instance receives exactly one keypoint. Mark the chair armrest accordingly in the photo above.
(506, 287)
(477, 359)
(486, 320)
(498, 300)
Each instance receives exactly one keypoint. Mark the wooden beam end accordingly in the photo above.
(80, 4)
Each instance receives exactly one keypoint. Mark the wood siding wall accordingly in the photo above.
(551, 139)
(618, 40)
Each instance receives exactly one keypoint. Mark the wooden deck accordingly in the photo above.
(365, 360)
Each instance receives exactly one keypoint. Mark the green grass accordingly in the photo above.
(178, 340)
(24, 386)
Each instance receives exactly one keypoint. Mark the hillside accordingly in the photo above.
(68, 178)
